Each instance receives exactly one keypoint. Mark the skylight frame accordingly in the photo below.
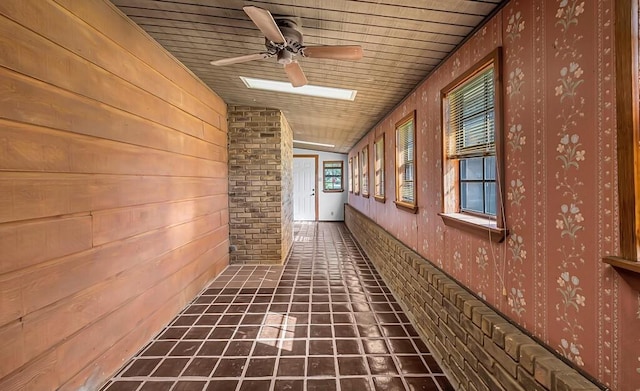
(308, 90)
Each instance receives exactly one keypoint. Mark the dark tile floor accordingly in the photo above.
(324, 321)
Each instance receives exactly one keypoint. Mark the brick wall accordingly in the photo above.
(260, 183)
(479, 348)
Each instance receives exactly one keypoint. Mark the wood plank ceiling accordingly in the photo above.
(403, 40)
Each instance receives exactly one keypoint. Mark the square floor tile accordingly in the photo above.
(294, 367)
(200, 366)
(382, 365)
(260, 367)
(352, 366)
(141, 367)
(170, 367)
(230, 367)
(321, 366)
(411, 365)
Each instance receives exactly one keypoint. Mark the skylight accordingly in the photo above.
(318, 91)
(313, 143)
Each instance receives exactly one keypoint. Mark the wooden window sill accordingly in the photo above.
(380, 199)
(621, 263)
(406, 207)
(365, 195)
(479, 226)
(333, 191)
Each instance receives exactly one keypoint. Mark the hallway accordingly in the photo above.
(323, 321)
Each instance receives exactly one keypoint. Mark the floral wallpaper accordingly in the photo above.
(560, 186)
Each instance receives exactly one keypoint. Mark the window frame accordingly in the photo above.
(324, 176)
(379, 196)
(356, 174)
(364, 190)
(628, 135)
(407, 206)
(483, 225)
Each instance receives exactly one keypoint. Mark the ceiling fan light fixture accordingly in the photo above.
(309, 90)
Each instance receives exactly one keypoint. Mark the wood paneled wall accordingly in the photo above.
(113, 191)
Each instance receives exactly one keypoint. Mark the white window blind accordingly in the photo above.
(356, 174)
(469, 114)
(405, 156)
(365, 171)
(379, 167)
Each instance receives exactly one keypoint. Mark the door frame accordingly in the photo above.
(315, 180)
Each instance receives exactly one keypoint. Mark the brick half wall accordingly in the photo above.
(479, 348)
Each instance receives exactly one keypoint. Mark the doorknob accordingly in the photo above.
(313, 192)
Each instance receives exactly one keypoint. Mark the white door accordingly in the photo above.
(304, 188)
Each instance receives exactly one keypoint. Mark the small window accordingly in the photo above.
(356, 174)
(473, 161)
(350, 175)
(378, 159)
(332, 175)
(365, 171)
(405, 164)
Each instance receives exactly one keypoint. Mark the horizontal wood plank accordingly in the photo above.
(29, 243)
(30, 148)
(34, 102)
(117, 224)
(30, 195)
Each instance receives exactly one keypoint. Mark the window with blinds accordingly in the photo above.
(469, 120)
(350, 175)
(365, 171)
(356, 173)
(405, 162)
(378, 163)
(332, 175)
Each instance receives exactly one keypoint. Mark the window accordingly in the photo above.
(472, 163)
(378, 163)
(405, 164)
(332, 176)
(350, 175)
(356, 174)
(365, 172)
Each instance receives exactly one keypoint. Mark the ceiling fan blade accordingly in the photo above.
(236, 60)
(265, 22)
(345, 52)
(295, 74)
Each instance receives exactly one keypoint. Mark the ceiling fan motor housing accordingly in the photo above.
(293, 36)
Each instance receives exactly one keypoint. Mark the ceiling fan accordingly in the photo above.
(283, 39)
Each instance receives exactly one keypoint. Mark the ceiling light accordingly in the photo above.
(318, 91)
(312, 143)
